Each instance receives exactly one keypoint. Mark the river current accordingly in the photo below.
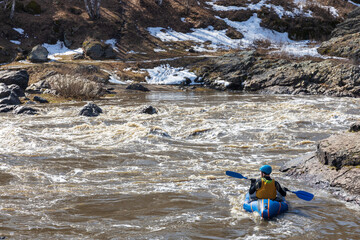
(129, 175)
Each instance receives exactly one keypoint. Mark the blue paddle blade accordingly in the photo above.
(235, 174)
(304, 195)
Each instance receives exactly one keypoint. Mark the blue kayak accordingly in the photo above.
(265, 207)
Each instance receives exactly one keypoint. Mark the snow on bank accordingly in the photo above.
(59, 49)
(167, 75)
(356, 4)
(19, 30)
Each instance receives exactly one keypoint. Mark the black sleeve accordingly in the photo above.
(255, 186)
(279, 189)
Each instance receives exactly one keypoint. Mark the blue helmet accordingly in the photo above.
(266, 169)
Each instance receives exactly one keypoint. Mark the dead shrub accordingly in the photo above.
(75, 87)
(261, 43)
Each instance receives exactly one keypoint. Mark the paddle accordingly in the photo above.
(300, 194)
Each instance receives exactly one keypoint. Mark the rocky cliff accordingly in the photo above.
(334, 166)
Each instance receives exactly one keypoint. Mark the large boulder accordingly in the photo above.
(39, 54)
(20, 78)
(334, 166)
(98, 50)
(340, 150)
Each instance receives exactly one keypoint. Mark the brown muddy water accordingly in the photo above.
(127, 175)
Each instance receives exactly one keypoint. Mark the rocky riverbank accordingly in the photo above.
(335, 165)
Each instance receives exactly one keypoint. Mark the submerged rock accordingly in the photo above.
(91, 110)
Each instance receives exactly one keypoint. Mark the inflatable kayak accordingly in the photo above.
(265, 207)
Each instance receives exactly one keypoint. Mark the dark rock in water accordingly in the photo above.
(40, 99)
(12, 99)
(17, 90)
(20, 78)
(355, 127)
(5, 91)
(91, 110)
(137, 86)
(159, 132)
(25, 110)
(149, 110)
(6, 108)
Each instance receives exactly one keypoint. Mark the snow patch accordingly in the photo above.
(112, 42)
(19, 30)
(59, 49)
(159, 50)
(167, 75)
(15, 42)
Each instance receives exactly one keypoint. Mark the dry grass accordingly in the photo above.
(75, 87)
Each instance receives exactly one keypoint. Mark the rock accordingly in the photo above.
(334, 166)
(78, 56)
(17, 90)
(347, 46)
(25, 110)
(355, 127)
(137, 86)
(20, 78)
(6, 108)
(98, 50)
(38, 54)
(340, 150)
(345, 40)
(349, 26)
(40, 99)
(38, 87)
(91, 110)
(12, 99)
(33, 8)
(5, 91)
(149, 110)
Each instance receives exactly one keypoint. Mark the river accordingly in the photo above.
(128, 175)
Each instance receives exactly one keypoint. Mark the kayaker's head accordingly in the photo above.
(265, 170)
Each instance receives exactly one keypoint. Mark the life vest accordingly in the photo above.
(267, 189)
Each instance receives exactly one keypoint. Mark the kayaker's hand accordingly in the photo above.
(253, 180)
(287, 190)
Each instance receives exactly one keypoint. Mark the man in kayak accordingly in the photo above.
(265, 187)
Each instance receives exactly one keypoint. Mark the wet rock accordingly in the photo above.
(138, 87)
(149, 110)
(40, 99)
(355, 127)
(12, 99)
(6, 108)
(340, 150)
(38, 54)
(91, 110)
(334, 166)
(20, 78)
(25, 110)
(17, 90)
